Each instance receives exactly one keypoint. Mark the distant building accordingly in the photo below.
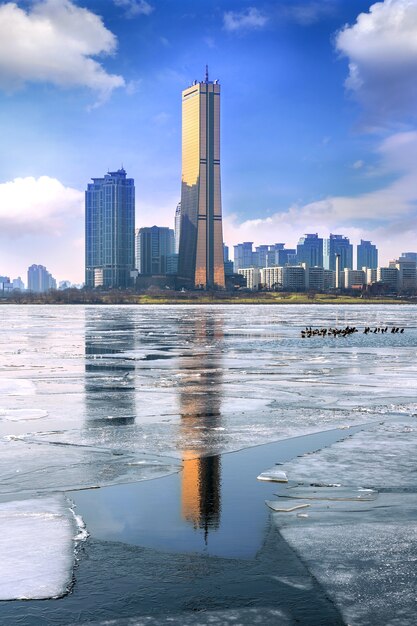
(259, 257)
(40, 280)
(253, 277)
(18, 284)
(110, 230)
(6, 287)
(310, 250)
(366, 255)
(353, 279)
(410, 256)
(172, 263)
(64, 284)
(137, 249)
(388, 276)
(407, 274)
(271, 277)
(314, 278)
(156, 247)
(228, 268)
(243, 255)
(337, 244)
(371, 275)
(225, 253)
(177, 227)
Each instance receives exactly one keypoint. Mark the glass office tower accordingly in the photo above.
(200, 262)
(110, 230)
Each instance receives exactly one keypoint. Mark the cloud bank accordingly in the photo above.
(382, 50)
(37, 206)
(54, 41)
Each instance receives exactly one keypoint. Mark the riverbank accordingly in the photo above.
(203, 298)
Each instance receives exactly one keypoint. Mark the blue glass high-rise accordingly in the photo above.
(110, 230)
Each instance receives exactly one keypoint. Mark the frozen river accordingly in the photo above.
(114, 396)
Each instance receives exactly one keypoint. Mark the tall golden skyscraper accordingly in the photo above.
(200, 262)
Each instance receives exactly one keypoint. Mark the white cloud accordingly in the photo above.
(41, 221)
(54, 42)
(306, 14)
(387, 216)
(382, 51)
(133, 8)
(357, 165)
(247, 19)
(38, 206)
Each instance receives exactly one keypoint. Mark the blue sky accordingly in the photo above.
(318, 117)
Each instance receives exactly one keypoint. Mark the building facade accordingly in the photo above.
(366, 255)
(177, 227)
(110, 230)
(252, 276)
(156, 249)
(243, 255)
(39, 279)
(200, 262)
(337, 244)
(310, 250)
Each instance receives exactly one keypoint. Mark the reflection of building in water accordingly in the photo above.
(109, 378)
(200, 409)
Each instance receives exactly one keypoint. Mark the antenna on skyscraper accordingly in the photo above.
(207, 80)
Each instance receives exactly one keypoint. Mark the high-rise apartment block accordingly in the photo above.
(310, 250)
(337, 245)
(156, 247)
(200, 262)
(39, 279)
(243, 255)
(110, 230)
(367, 255)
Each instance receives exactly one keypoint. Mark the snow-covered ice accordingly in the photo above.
(38, 538)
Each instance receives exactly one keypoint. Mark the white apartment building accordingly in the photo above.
(353, 279)
(253, 277)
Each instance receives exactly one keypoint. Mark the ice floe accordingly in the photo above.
(38, 538)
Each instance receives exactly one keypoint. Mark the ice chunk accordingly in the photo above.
(280, 508)
(37, 542)
(274, 475)
(331, 493)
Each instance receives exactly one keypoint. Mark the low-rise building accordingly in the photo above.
(353, 279)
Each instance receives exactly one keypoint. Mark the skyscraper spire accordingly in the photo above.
(207, 78)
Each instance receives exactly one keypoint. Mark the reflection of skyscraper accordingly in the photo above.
(200, 409)
(109, 378)
(201, 242)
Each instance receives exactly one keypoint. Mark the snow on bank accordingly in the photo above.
(37, 546)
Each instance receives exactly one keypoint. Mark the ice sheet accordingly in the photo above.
(380, 457)
(368, 569)
(27, 467)
(37, 542)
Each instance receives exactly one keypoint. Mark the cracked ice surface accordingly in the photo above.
(198, 380)
(364, 554)
(383, 457)
(29, 467)
(37, 543)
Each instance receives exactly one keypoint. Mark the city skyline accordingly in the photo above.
(307, 145)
